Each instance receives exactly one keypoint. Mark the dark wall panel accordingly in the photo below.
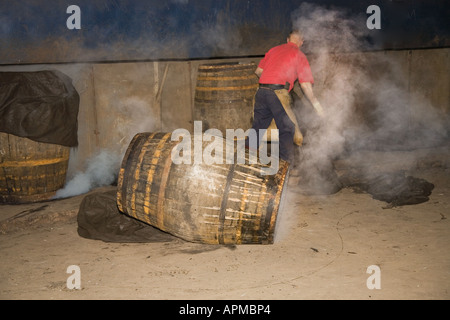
(34, 31)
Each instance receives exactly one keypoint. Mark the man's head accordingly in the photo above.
(296, 37)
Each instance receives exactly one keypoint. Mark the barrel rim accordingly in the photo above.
(280, 196)
(225, 64)
(225, 67)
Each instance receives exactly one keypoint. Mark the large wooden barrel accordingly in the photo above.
(30, 171)
(213, 204)
(224, 95)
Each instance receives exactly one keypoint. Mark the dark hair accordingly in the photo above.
(296, 31)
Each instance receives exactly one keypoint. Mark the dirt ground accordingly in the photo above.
(323, 249)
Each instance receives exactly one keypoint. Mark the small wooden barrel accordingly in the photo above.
(30, 171)
(224, 95)
(213, 204)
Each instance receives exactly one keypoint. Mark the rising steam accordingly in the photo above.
(130, 116)
(366, 96)
(101, 170)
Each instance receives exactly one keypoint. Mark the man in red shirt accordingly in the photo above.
(277, 72)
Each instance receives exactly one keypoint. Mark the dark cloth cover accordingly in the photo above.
(395, 188)
(42, 106)
(100, 219)
(398, 189)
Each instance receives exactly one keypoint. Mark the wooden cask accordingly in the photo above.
(213, 204)
(224, 95)
(30, 171)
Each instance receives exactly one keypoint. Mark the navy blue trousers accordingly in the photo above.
(268, 107)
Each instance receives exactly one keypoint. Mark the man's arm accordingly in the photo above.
(309, 93)
(258, 72)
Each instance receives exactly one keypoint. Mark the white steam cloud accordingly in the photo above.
(365, 95)
(367, 100)
(101, 170)
(129, 116)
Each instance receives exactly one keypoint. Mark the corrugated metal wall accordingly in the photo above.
(35, 31)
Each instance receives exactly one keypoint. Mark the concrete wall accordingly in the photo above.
(121, 99)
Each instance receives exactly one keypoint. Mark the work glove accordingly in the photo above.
(318, 107)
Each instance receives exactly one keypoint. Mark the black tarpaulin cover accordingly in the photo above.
(395, 188)
(100, 219)
(42, 106)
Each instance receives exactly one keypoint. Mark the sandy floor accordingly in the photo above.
(323, 249)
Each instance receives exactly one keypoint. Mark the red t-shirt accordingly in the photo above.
(285, 63)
